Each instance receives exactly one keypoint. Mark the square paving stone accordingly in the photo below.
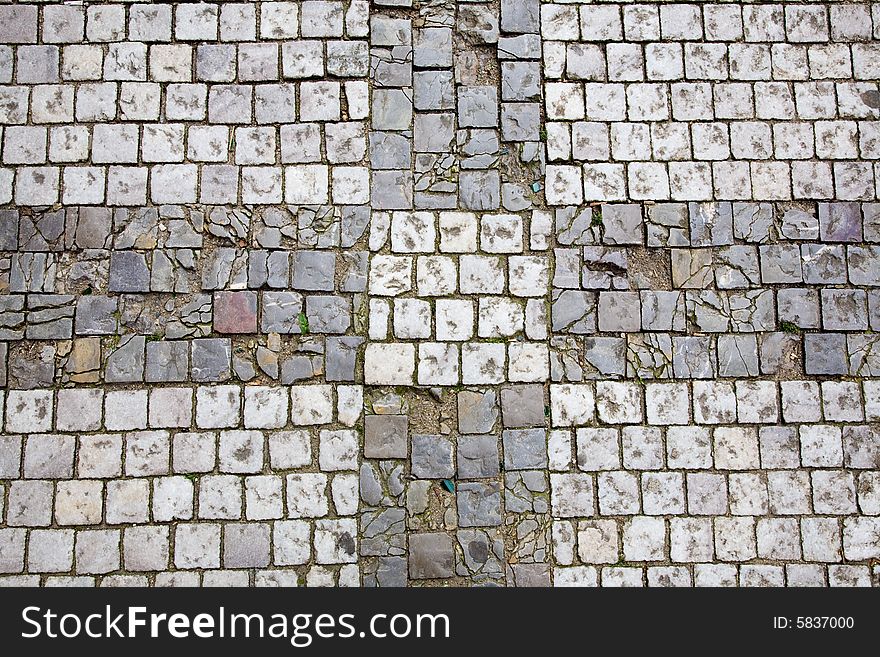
(431, 556)
(840, 222)
(281, 312)
(392, 190)
(432, 457)
(477, 107)
(525, 449)
(433, 47)
(825, 354)
(96, 315)
(328, 314)
(434, 90)
(390, 572)
(235, 312)
(478, 457)
(529, 575)
(314, 270)
(523, 406)
(521, 121)
(480, 190)
(126, 363)
(129, 272)
(167, 360)
(477, 412)
(246, 545)
(479, 504)
(519, 16)
(392, 109)
(434, 132)
(520, 80)
(389, 150)
(211, 359)
(341, 357)
(385, 436)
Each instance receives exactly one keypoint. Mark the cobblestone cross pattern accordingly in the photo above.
(437, 292)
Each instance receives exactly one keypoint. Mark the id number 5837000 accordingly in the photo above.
(814, 622)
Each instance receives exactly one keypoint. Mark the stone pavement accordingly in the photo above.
(425, 292)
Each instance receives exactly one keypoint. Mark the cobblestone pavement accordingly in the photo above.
(440, 293)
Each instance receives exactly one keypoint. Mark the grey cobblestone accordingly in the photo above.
(517, 293)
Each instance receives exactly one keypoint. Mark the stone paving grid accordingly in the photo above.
(279, 275)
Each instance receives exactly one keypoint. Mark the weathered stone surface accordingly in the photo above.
(477, 413)
(235, 312)
(385, 436)
(517, 293)
(431, 556)
(432, 457)
(479, 504)
(524, 449)
(523, 406)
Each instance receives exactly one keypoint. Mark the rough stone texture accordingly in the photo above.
(439, 293)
